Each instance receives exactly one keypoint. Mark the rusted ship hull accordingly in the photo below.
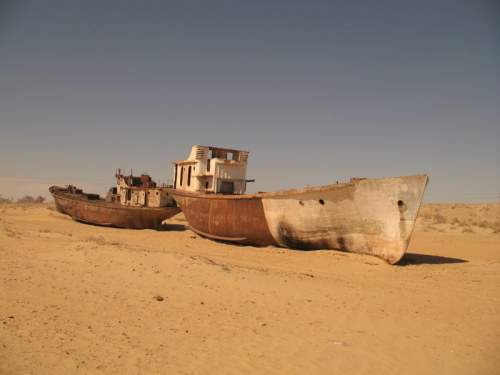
(372, 216)
(99, 212)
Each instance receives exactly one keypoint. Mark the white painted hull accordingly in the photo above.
(372, 216)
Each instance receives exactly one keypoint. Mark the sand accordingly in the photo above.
(83, 299)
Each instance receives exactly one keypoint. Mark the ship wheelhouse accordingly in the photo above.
(212, 170)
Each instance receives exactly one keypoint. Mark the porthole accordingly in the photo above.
(321, 201)
(402, 206)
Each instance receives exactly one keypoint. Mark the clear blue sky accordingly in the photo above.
(317, 91)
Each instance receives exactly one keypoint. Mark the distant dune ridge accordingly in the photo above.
(79, 298)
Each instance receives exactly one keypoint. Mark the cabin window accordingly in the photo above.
(229, 156)
(227, 187)
(208, 165)
(189, 176)
(182, 176)
(206, 185)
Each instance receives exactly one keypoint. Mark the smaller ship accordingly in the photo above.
(364, 216)
(135, 203)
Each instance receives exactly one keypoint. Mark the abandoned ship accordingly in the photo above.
(135, 202)
(365, 216)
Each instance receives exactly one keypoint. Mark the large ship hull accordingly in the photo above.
(370, 216)
(100, 212)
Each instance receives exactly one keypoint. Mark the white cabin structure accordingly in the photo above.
(212, 170)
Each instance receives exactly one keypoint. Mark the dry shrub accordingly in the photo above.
(431, 228)
(480, 218)
(96, 239)
(426, 216)
(25, 199)
(496, 227)
(100, 240)
(440, 219)
(12, 233)
(427, 228)
(5, 200)
(483, 224)
(30, 199)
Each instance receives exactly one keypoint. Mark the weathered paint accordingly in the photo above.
(135, 202)
(240, 220)
(212, 170)
(368, 216)
(97, 211)
(138, 191)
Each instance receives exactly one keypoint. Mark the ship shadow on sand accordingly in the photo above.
(411, 259)
(161, 228)
(172, 228)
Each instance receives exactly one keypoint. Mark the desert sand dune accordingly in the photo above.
(83, 299)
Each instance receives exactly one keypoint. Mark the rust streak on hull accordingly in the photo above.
(215, 216)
